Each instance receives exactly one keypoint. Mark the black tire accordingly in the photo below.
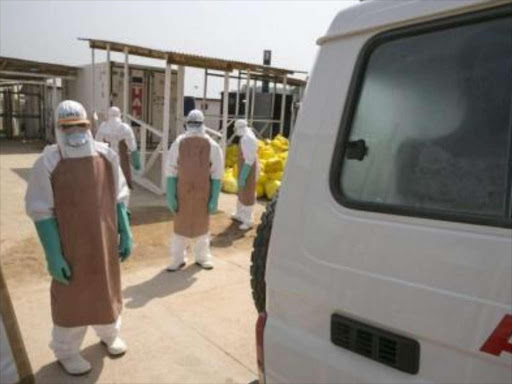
(259, 256)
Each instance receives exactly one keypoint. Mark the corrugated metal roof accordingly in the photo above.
(190, 60)
(9, 67)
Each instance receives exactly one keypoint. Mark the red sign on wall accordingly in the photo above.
(137, 101)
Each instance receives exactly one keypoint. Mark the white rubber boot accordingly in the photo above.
(116, 348)
(208, 265)
(75, 365)
(173, 267)
(177, 252)
(245, 226)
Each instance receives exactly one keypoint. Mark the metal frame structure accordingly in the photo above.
(19, 71)
(212, 67)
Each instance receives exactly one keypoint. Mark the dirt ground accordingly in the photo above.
(203, 298)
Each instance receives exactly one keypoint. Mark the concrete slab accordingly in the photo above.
(193, 326)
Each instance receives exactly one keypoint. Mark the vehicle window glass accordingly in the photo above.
(434, 111)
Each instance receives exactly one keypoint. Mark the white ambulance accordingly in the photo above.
(390, 246)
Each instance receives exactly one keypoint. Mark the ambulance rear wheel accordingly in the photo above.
(259, 256)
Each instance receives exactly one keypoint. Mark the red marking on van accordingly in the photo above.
(499, 342)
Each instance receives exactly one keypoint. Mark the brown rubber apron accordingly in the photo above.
(85, 207)
(124, 160)
(192, 219)
(247, 195)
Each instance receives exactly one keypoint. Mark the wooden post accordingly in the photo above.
(283, 104)
(54, 101)
(126, 85)
(108, 80)
(253, 101)
(14, 338)
(167, 120)
(45, 114)
(205, 90)
(93, 80)
(247, 88)
(273, 108)
(181, 95)
(225, 111)
(237, 105)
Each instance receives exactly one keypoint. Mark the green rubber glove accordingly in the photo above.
(125, 234)
(136, 160)
(244, 173)
(171, 188)
(48, 232)
(214, 195)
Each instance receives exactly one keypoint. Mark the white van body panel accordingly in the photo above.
(445, 284)
(384, 15)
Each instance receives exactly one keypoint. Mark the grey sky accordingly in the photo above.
(47, 30)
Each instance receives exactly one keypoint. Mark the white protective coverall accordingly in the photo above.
(40, 205)
(249, 155)
(114, 130)
(116, 134)
(201, 244)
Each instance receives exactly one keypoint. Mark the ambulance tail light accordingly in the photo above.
(260, 329)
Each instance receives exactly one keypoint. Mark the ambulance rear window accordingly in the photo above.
(429, 129)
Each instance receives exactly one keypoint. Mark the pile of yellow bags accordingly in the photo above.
(272, 157)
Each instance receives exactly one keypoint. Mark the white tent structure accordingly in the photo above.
(249, 73)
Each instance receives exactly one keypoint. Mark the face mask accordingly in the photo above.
(194, 127)
(77, 139)
(114, 119)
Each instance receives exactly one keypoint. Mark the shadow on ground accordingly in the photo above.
(228, 236)
(161, 285)
(24, 173)
(150, 215)
(18, 147)
(54, 374)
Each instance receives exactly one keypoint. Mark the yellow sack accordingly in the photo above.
(275, 176)
(262, 179)
(260, 190)
(278, 148)
(228, 173)
(232, 150)
(280, 143)
(271, 188)
(231, 155)
(230, 185)
(280, 138)
(266, 153)
(274, 165)
(283, 156)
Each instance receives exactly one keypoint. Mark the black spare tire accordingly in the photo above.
(259, 256)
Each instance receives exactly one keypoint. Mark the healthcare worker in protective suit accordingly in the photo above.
(76, 196)
(194, 173)
(247, 174)
(121, 139)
